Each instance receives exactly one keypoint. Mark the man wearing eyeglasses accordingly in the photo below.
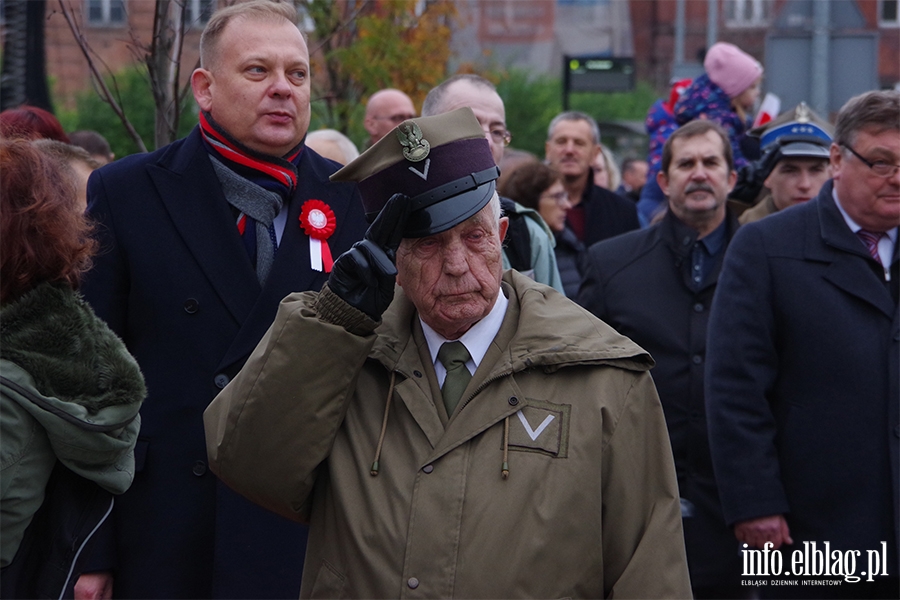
(385, 110)
(802, 394)
(528, 246)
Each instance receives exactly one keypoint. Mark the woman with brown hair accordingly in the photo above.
(69, 391)
(535, 185)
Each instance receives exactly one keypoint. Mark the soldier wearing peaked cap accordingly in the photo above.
(467, 433)
(794, 165)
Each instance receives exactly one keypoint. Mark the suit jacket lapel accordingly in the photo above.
(190, 191)
(291, 271)
(847, 256)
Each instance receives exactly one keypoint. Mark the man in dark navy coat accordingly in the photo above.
(200, 241)
(573, 141)
(802, 388)
(656, 286)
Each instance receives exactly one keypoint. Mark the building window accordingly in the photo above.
(106, 12)
(198, 12)
(888, 13)
(748, 13)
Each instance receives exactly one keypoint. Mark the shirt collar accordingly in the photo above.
(478, 338)
(853, 225)
(714, 241)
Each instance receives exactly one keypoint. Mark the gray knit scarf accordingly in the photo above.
(257, 203)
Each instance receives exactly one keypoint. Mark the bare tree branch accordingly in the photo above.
(104, 91)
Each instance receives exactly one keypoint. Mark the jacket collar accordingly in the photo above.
(188, 187)
(828, 239)
(552, 333)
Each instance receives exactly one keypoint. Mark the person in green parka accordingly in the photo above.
(69, 390)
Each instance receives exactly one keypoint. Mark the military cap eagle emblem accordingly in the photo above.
(415, 147)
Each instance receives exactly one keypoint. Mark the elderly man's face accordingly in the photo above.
(698, 180)
(872, 201)
(453, 278)
(257, 86)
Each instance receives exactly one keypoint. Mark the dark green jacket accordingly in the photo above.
(69, 390)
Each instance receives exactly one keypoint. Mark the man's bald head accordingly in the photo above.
(385, 110)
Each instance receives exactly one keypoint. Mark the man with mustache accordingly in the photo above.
(656, 286)
(200, 241)
(468, 433)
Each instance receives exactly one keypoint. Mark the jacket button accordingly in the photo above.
(417, 373)
(221, 380)
(191, 305)
(428, 468)
(513, 401)
(199, 468)
(412, 582)
(698, 307)
(696, 359)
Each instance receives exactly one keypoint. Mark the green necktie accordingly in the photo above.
(453, 355)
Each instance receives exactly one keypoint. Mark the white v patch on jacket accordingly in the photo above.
(545, 428)
(534, 434)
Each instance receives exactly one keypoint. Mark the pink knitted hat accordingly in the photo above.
(731, 68)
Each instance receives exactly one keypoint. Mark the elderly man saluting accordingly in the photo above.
(467, 435)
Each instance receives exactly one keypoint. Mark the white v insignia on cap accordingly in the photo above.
(534, 434)
(423, 175)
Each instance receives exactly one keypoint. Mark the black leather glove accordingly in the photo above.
(364, 275)
(752, 177)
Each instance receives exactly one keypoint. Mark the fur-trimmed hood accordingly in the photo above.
(72, 374)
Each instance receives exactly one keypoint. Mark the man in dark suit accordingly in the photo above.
(802, 377)
(200, 242)
(573, 141)
(656, 286)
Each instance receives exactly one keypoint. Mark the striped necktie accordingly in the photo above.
(870, 239)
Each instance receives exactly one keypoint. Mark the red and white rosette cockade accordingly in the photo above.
(318, 222)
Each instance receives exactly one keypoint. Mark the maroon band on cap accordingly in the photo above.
(445, 163)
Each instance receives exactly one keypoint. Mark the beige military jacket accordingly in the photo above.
(589, 507)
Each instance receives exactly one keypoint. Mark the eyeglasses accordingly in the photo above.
(558, 197)
(501, 137)
(879, 167)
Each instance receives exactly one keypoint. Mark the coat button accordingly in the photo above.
(513, 401)
(191, 306)
(412, 582)
(698, 307)
(428, 468)
(696, 359)
(417, 373)
(221, 380)
(199, 468)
